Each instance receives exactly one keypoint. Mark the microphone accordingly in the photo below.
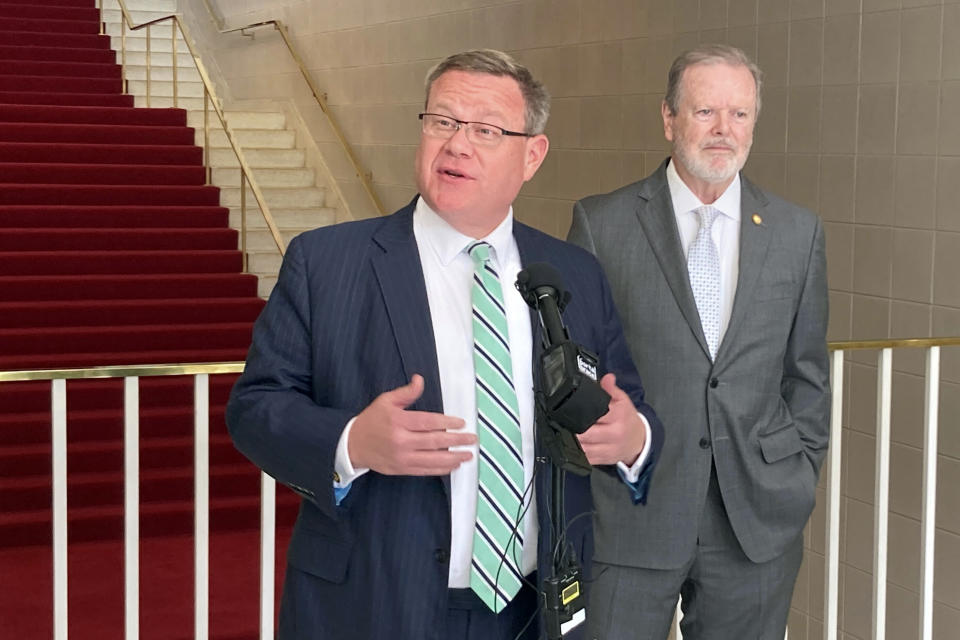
(541, 286)
(569, 401)
(572, 397)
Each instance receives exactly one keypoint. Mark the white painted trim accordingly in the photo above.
(881, 493)
(58, 445)
(929, 517)
(201, 409)
(131, 507)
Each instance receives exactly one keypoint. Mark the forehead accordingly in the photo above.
(473, 93)
(718, 82)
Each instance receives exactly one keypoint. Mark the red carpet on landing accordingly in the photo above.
(113, 251)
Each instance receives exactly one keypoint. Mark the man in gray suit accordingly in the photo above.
(722, 289)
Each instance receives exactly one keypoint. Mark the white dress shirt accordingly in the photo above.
(448, 273)
(725, 233)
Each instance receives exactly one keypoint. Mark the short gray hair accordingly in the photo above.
(708, 54)
(535, 97)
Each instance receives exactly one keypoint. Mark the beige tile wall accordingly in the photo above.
(859, 123)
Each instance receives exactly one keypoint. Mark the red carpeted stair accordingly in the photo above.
(113, 251)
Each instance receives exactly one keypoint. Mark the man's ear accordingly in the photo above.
(667, 121)
(537, 147)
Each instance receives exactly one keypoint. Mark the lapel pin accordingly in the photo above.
(757, 219)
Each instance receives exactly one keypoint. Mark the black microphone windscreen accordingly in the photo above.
(543, 274)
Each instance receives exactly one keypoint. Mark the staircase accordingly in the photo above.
(298, 202)
(297, 197)
(112, 251)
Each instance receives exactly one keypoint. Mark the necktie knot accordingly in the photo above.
(480, 252)
(706, 215)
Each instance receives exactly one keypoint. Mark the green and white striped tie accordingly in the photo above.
(497, 538)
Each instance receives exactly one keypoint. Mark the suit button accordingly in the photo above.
(442, 556)
(704, 443)
(713, 383)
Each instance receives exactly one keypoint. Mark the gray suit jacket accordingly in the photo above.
(761, 409)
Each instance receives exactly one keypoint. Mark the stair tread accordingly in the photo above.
(42, 113)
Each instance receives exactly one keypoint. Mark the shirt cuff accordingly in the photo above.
(344, 472)
(631, 474)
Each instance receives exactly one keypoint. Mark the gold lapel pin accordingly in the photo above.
(757, 219)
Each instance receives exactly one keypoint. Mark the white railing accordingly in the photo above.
(201, 373)
(881, 483)
(131, 479)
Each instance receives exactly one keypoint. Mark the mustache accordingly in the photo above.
(719, 142)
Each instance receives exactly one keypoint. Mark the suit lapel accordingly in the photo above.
(400, 277)
(659, 223)
(754, 242)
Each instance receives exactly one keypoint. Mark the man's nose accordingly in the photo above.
(721, 124)
(458, 143)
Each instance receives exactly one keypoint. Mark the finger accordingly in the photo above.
(609, 384)
(594, 435)
(436, 462)
(407, 394)
(430, 421)
(441, 441)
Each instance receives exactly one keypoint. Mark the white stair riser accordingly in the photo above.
(309, 218)
(159, 59)
(259, 158)
(248, 138)
(162, 73)
(159, 43)
(163, 102)
(267, 178)
(261, 241)
(264, 263)
(158, 31)
(244, 119)
(164, 88)
(276, 198)
(265, 285)
(170, 6)
(138, 16)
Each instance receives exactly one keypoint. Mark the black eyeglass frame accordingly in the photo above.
(461, 123)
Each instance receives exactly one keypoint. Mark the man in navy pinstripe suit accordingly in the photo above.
(359, 387)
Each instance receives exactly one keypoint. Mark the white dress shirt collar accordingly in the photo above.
(446, 242)
(684, 200)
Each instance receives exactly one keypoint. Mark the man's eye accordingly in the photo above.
(487, 132)
(443, 123)
(703, 112)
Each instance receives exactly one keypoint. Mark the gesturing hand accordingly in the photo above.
(388, 439)
(619, 435)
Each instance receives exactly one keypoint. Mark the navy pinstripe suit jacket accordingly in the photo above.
(348, 320)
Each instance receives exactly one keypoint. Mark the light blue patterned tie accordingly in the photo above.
(494, 574)
(703, 264)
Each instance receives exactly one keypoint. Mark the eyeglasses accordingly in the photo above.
(478, 133)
